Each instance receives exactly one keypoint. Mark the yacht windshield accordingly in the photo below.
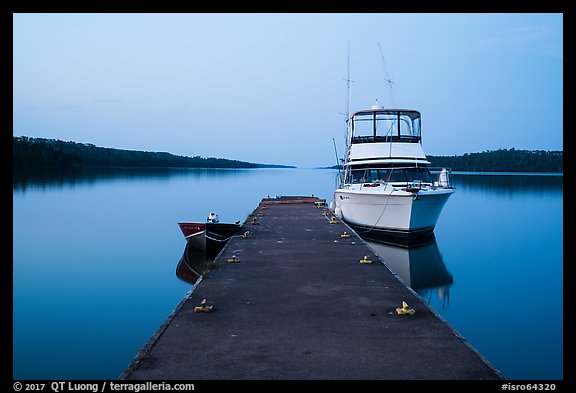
(390, 175)
(385, 126)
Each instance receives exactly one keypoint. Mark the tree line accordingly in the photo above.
(40, 152)
(502, 160)
(29, 153)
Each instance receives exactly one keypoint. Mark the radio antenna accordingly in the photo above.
(348, 98)
(348, 90)
(386, 76)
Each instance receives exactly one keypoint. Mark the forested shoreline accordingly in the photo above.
(40, 152)
(29, 153)
(502, 160)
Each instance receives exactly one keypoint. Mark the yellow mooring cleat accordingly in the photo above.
(405, 309)
(345, 234)
(203, 307)
(233, 259)
(365, 260)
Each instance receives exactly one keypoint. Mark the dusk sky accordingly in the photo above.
(270, 88)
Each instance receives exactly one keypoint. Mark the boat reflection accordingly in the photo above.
(421, 266)
(204, 241)
(192, 264)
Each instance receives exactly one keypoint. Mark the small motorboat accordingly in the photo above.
(209, 236)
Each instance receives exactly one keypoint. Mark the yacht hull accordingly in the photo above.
(392, 213)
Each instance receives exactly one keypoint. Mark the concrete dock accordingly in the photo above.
(294, 302)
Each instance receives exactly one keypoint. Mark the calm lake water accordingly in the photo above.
(94, 259)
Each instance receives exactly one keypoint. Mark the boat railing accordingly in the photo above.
(339, 180)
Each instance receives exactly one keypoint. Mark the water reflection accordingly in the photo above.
(202, 249)
(192, 264)
(509, 183)
(40, 178)
(421, 266)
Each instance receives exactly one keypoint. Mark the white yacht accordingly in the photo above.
(387, 185)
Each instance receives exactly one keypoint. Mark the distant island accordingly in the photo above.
(501, 160)
(31, 153)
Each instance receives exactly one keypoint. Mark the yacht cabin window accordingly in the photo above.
(385, 175)
(385, 126)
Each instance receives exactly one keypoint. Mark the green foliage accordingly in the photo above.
(38, 152)
(503, 160)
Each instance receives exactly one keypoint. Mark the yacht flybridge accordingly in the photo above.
(387, 186)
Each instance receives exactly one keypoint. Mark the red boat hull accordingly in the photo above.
(209, 237)
(192, 228)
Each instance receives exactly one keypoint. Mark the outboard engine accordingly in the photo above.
(212, 217)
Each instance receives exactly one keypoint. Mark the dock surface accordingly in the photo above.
(297, 304)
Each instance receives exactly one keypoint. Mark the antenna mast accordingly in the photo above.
(348, 99)
(386, 77)
(349, 94)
